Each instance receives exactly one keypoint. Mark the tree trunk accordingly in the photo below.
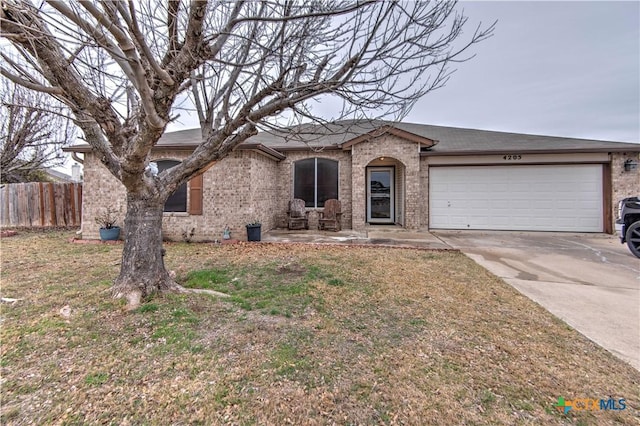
(142, 272)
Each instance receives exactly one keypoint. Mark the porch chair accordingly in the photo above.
(297, 216)
(331, 217)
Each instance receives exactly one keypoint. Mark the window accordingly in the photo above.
(315, 180)
(177, 202)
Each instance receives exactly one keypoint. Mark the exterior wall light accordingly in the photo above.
(630, 165)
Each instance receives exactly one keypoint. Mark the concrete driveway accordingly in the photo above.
(590, 281)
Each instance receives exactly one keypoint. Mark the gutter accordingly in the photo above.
(529, 151)
(263, 149)
(256, 146)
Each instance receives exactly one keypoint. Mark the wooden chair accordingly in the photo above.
(330, 218)
(297, 216)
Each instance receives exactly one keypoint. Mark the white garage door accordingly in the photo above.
(517, 198)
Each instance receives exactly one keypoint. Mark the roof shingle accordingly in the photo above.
(451, 140)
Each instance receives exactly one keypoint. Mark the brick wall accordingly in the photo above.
(237, 190)
(100, 190)
(248, 186)
(285, 185)
(264, 183)
(624, 184)
(424, 192)
(395, 151)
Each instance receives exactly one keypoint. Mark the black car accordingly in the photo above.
(628, 223)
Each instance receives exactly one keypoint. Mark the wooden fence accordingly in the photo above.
(40, 205)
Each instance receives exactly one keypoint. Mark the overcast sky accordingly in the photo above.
(552, 68)
(558, 68)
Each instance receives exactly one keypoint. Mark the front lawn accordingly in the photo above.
(309, 335)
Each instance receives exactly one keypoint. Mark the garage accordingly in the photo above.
(550, 197)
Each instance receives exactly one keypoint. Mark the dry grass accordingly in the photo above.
(311, 335)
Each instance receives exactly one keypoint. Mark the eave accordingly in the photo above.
(257, 147)
(276, 155)
(527, 151)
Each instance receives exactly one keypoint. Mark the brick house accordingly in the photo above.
(410, 175)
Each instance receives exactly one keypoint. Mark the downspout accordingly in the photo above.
(74, 155)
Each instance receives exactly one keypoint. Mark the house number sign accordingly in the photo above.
(512, 157)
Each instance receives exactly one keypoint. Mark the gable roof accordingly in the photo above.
(438, 140)
(395, 131)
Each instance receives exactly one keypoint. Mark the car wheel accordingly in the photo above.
(633, 238)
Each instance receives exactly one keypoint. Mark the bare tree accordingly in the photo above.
(123, 68)
(33, 130)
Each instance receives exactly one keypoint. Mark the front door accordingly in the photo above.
(380, 196)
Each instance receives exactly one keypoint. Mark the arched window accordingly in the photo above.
(177, 202)
(315, 180)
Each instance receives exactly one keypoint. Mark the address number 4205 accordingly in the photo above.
(512, 157)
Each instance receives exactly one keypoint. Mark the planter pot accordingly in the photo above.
(110, 234)
(254, 232)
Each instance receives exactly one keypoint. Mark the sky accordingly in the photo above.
(552, 68)
(557, 68)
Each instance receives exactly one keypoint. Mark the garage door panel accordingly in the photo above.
(478, 205)
(540, 198)
(519, 188)
(545, 204)
(499, 205)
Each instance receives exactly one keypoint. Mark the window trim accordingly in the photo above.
(315, 179)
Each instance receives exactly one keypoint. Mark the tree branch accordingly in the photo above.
(132, 24)
(57, 91)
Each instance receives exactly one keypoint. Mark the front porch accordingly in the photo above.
(387, 235)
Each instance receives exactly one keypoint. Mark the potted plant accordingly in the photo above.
(254, 231)
(109, 231)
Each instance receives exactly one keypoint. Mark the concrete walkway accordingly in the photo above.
(590, 281)
(376, 235)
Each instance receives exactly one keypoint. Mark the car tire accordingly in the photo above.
(633, 238)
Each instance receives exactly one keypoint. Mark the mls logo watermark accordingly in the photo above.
(590, 404)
